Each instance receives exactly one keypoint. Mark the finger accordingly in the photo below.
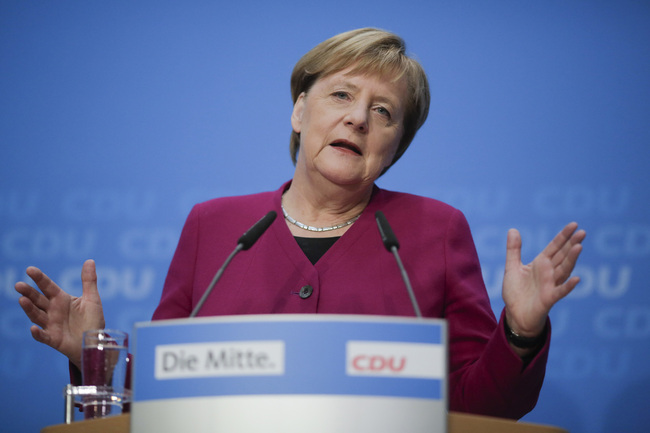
(40, 335)
(566, 288)
(575, 239)
(34, 314)
(560, 240)
(89, 281)
(513, 249)
(32, 294)
(47, 286)
(564, 269)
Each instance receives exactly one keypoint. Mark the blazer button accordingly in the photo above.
(305, 292)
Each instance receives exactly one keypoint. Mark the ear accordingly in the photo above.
(296, 114)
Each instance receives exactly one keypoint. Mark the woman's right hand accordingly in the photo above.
(60, 319)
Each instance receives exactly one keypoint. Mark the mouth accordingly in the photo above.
(343, 144)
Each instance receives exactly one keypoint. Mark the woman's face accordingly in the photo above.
(349, 126)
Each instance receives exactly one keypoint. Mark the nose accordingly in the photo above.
(357, 118)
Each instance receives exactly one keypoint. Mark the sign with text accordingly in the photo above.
(415, 360)
(254, 373)
(237, 358)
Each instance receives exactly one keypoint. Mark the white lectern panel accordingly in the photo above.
(290, 373)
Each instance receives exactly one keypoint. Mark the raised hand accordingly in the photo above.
(59, 318)
(530, 291)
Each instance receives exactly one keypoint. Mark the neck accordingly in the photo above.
(324, 205)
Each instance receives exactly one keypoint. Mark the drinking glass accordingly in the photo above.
(104, 365)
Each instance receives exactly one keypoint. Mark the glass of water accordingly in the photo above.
(104, 366)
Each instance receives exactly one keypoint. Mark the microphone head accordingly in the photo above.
(387, 236)
(252, 235)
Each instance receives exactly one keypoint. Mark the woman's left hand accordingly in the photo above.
(530, 291)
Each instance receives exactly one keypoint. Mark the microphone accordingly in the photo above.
(245, 242)
(390, 242)
(253, 234)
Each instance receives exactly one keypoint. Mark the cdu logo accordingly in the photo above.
(379, 363)
(393, 359)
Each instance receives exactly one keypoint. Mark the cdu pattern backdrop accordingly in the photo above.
(117, 116)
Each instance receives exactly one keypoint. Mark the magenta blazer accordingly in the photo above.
(358, 276)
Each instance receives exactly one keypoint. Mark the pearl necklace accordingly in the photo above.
(316, 229)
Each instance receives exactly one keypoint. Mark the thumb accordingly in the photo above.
(513, 249)
(89, 281)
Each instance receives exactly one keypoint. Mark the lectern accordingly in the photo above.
(292, 373)
(457, 423)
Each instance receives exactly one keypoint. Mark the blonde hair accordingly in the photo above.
(366, 51)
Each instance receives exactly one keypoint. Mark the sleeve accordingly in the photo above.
(486, 376)
(176, 298)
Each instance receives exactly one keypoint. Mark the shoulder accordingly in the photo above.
(422, 218)
(414, 205)
(238, 204)
(235, 212)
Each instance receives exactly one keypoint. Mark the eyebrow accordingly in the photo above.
(348, 84)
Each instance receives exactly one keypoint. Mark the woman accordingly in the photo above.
(358, 102)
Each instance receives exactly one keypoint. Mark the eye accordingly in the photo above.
(383, 111)
(341, 95)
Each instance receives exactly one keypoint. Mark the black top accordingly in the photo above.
(315, 248)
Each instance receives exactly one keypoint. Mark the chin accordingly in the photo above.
(345, 174)
(348, 180)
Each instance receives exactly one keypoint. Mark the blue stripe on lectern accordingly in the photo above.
(315, 360)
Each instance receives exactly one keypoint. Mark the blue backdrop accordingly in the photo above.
(117, 116)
